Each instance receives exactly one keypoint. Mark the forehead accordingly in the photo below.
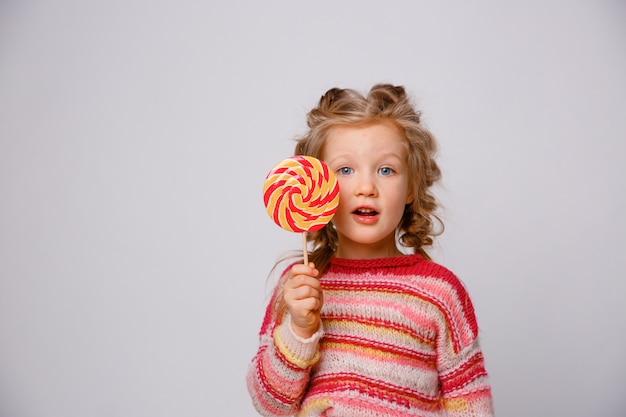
(371, 138)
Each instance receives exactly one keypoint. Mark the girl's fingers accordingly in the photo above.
(302, 292)
(301, 269)
(311, 305)
(302, 281)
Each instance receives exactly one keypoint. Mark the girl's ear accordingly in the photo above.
(409, 197)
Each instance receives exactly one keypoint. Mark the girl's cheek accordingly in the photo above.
(343, 185)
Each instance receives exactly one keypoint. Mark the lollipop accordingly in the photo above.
(301, 195)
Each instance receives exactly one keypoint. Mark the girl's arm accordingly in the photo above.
(279, 372)
(465, 387)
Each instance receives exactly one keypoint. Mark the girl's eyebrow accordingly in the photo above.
(341, 157)
(391, 155)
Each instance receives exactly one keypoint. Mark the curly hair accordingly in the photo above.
(384, 102)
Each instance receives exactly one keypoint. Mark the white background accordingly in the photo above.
(135, 136)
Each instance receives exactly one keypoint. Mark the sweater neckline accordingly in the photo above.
(394, 261)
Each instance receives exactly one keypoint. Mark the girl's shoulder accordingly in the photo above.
(430, 271)
(445, 291)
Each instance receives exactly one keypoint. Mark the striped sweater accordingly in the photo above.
(398, 338)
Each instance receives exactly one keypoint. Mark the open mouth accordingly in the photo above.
(365, 212)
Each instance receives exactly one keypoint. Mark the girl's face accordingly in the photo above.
(370, 164)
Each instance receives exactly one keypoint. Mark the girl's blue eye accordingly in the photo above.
(386, 171)
(345, 170)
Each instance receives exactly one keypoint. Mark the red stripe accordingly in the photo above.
(381, 323)
(427, 358)
(267, 386)
(471, 370)
(341, 382)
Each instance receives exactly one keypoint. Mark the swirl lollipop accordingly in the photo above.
(301, 195)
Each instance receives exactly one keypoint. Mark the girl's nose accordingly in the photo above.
(365, 186)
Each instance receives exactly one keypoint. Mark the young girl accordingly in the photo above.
(365, 329)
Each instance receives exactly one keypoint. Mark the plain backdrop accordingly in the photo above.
(135, 136)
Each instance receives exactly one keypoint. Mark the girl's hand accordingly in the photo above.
(302, 293)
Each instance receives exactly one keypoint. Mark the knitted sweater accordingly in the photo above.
(398, 338)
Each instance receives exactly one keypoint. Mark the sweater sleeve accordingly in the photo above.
(278, 375)
(463, 378)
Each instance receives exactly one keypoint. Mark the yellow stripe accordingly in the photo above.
(282, 348)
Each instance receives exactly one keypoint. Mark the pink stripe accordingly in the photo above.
(399, 359)
(260, 396)
(399, 306)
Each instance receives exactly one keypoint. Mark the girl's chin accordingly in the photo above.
(361, 246)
